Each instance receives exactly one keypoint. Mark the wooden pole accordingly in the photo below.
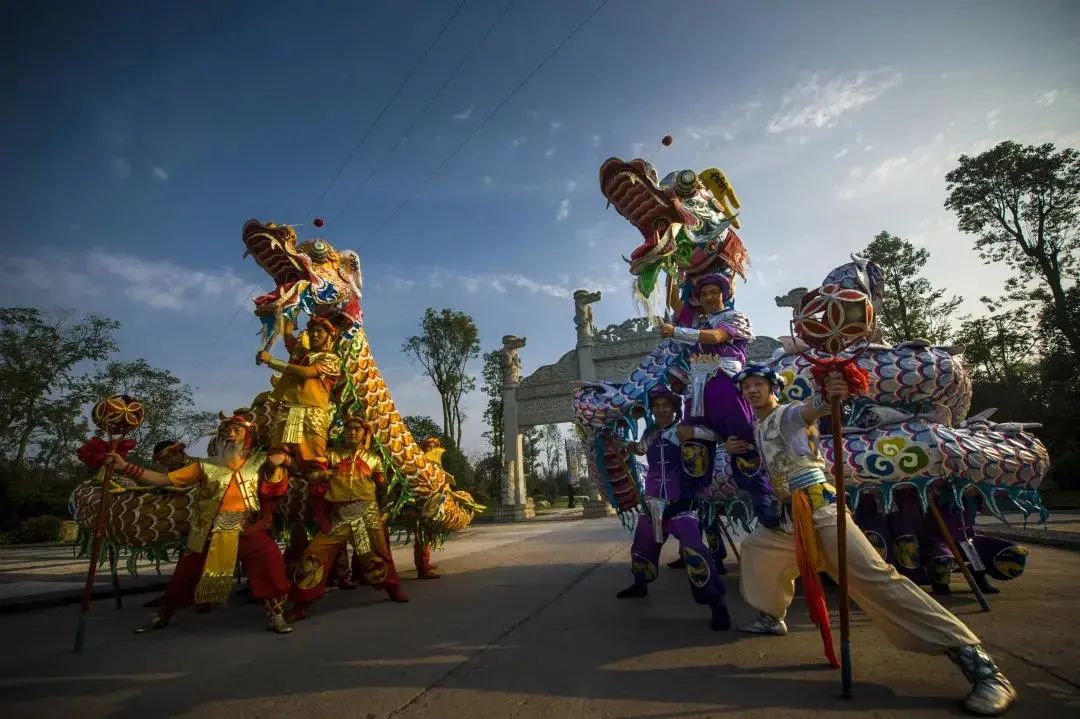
(960, 558)
(113, 559)
(841, 546)
(95, 549)
(720, 523)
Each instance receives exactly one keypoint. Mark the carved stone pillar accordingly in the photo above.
(583, 322)
(515, 505)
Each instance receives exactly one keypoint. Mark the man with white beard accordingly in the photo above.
(228, 523)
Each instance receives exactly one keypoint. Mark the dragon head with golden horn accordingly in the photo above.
(688, 220)
(311, 276)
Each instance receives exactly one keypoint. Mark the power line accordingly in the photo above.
(393, 98)
(424, 109)
(482, 124)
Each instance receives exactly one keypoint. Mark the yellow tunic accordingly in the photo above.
(354, 475)
(302, 417)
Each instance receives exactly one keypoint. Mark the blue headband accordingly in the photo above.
(765, 372)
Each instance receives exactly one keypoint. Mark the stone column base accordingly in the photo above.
(596, 508)
(513, 513)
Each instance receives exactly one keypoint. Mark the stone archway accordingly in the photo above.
(544, 397)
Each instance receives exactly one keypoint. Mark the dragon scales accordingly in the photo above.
(314, 278)
(909, 431)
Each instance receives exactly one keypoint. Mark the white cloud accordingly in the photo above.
(120, 168)
(50, 275)
(162, 285)
(564, 210)
(1046, 99)
(841, 153)
(550, 152)
(464, 114)
(728, 136)
(596, 141)
(519, 141)
(637, 148)
(556, 125)
(165, 285)
(401, 284)
(159, 173)
(571, 185)
(991, 118)
(868, 148)
(594, 234)
(812, 103)
(486, 179)
(500, 282)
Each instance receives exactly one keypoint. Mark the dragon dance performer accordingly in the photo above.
(786, 438)
(433, 452)
(301, 395)
(237, 492)
(915, 546)
(171, 454)
(352, 517)
(669, 496)
(721, 336)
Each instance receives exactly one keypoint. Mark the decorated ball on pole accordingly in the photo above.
(117, 415)
(832, 318)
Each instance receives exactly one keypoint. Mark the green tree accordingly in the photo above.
(448, 341)
(168, 403)
(39, 356)
(421, 427)
(998, 346)
(531, 447)
(1023, 202)
(912, 308)
(491, 386)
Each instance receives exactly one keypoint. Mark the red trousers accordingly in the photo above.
(421, 556)
(309, 579)
(258, 554)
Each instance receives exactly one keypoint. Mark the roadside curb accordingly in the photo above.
(1046, 537)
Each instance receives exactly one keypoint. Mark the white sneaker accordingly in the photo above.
(765, 624)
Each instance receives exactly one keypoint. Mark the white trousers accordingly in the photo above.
(910, 618)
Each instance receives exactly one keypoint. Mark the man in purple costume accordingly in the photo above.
(668, 501)
(720, 336)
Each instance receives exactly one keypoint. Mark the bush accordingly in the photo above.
(34, 530)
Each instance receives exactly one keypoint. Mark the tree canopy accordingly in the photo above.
(912, 308)
(1023, 203)
(447, 342)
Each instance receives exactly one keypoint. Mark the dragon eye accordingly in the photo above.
(686, 183)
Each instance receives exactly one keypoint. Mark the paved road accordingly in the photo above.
(525, 624)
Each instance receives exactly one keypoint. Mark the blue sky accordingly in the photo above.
(136, 138)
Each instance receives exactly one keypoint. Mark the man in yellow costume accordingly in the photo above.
(301, 395)
(230, 521)
(433, 452)
(347, 511)
(786, 438)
